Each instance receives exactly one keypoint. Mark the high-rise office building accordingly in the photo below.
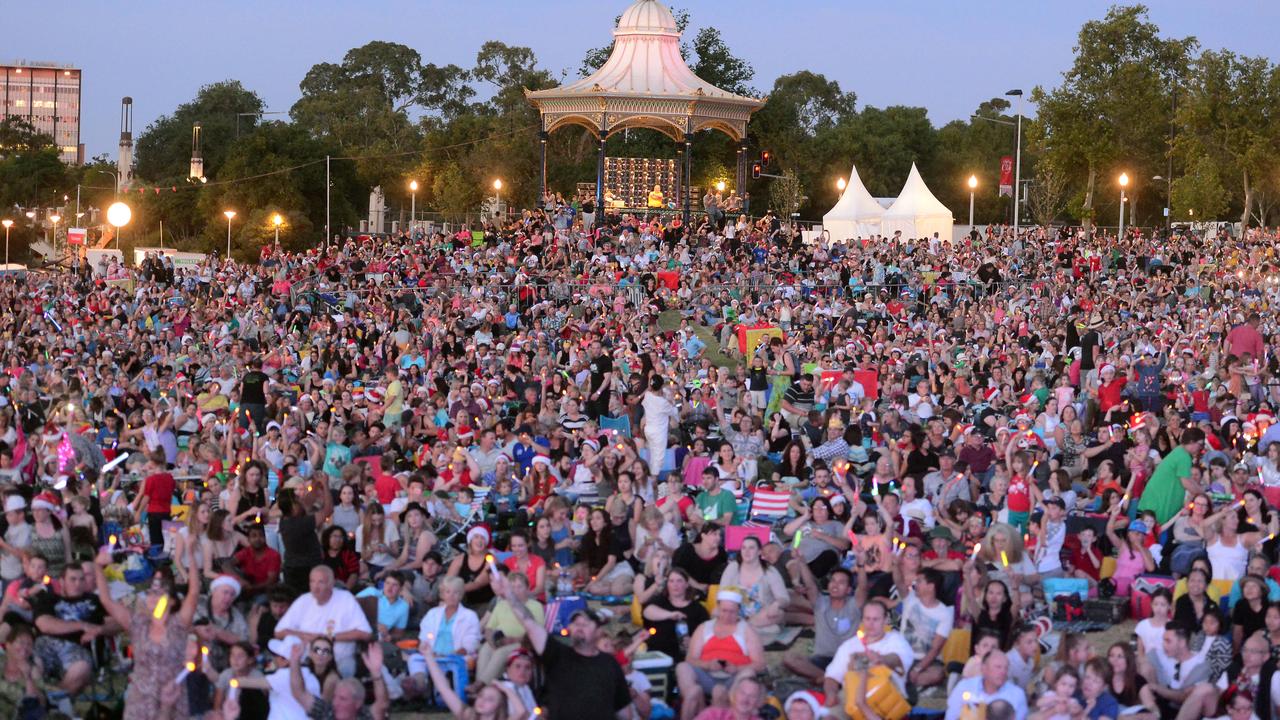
(47, 96)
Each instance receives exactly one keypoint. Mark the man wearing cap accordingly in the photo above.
(581, 681)
(946, 484)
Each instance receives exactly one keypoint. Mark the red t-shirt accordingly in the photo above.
(387, 486)
(259, 570)
(1080, 561)
(159, 490)
(1109, 393)
(1019, 497)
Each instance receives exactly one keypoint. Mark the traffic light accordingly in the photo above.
(755, 171)
(764, 158)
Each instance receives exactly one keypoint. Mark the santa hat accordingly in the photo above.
(47, 501)
(1028, 398)
(990, 394)
(815, 701)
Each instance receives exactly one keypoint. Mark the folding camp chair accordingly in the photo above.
(768, 506)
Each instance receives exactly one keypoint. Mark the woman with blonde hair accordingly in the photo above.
(1006, 559)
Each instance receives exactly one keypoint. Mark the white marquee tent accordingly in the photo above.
(856, 214)
(916, 212)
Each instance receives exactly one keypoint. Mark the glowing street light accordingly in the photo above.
(119, 215)
(719, 186)
(230, 214)
(277, 221)
(413, 204)
(7, 223)
(55, 219)
(1124, 183)
(841, 184)
(497, 194)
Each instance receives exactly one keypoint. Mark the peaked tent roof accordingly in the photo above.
(917, 213)
(856, 213)
(855, 202)
(915, 201)
(645, 83)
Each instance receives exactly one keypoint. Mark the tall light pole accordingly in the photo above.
(230, 214)
(118, 215)
(973, 185)
(7, 223)
(1168, 200)
(277, 221)
(1124, 183)
(497, 194)
(1017, 163)
(55, 218)
(413, 204)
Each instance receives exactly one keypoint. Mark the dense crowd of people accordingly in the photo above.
(531, 469)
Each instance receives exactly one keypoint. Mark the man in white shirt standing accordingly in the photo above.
(878, 645)
(327, 612)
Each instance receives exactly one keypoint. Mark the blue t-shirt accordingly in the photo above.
(1106, 706)
(395, 615)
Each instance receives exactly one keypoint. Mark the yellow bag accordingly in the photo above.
(882, 695)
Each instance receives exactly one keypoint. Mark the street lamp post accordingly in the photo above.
(55, 218)
(1124, 182)
(118, 215)
(497, 195)
(973, 185)
(277, 221)
(1017, 163)
(413, 204)
(230, 214)
(7, 223)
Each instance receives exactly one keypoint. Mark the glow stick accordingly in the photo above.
(161, 605)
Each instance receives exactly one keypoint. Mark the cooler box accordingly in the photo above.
(657, 667)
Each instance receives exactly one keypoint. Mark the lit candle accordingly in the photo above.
(234, 692)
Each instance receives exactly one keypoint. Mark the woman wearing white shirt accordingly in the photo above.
(659, 413)
(448, 628)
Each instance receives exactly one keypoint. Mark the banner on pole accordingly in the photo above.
(75, 236)
(1006, 176)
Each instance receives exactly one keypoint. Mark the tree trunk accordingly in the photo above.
(1248, 203)
(1088, 202)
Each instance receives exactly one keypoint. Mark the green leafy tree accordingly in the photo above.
(224, 110)
(717, 64)
(1201, 191)
(362, 106)
(797, 125)
(974, 147)
(1113, 110)
(455, 196)
(787, 194)
(1230, 116)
